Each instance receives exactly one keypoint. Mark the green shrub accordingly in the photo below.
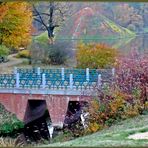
(8, 122)
(4, 51)
(59, 52)
(39, 52)
(24, 54)
(94, 55)
(57, 55)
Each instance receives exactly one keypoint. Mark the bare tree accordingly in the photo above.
(52, 17)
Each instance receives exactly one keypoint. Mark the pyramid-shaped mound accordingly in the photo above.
(88, 24)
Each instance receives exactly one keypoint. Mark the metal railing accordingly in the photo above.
(62, 78)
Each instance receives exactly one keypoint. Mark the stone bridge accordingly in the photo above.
(29, 92)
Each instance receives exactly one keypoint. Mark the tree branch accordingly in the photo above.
(41, 14)
(41, 20)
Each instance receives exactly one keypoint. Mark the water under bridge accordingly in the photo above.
(29, 92)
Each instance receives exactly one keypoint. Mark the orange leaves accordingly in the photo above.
(3, 11)
(93, 127)
(16, 25)
(115, 105)
(95, 55)
(105, 112)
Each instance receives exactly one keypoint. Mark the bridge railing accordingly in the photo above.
(7, 81)
(37, 78)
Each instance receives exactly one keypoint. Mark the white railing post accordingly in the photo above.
(62, 74)
(99, 80)
(71, 81)
(38, 70)
(15, 70)
(43, 81)
(113, 71)
(17, 80)
(87, 74)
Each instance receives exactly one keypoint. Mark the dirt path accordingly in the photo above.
(4, 67)
(139, 136)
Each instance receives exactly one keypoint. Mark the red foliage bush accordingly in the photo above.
(126, 97)
(132, 75)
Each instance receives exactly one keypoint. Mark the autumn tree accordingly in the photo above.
(127, 16)
(15, 24)
(52, 16)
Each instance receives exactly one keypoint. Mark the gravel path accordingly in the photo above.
(4, 67)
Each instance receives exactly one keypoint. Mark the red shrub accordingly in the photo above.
(132, 75)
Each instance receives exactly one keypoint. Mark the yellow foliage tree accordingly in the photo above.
(95, 55)
(15, 24)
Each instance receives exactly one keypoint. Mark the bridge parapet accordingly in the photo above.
(55, 79)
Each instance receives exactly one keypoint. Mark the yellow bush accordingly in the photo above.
(146, 105)
(24, 54)
(109, 109)
(131, 111)
(95, 55)
(93, 127)
(118, 102)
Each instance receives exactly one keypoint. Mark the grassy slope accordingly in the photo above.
(121, 32)
(43, 37)
(115, 135)
(117, 28)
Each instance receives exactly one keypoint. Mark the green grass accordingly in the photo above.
(43, 37)
(116, 135)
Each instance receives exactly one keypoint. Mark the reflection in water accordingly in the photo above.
(140, 43)
(125, 45)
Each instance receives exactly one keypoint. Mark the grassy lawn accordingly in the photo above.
(116, 135)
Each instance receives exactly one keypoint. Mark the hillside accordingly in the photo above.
(116, 135)
(88, 24)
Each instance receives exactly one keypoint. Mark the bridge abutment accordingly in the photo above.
(15, 103)
(57, 107)
(28, 107)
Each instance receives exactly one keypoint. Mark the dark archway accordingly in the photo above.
(35, 109)
(36, 121)
(73, 112)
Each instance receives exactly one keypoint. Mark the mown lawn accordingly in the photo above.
(116, 135)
